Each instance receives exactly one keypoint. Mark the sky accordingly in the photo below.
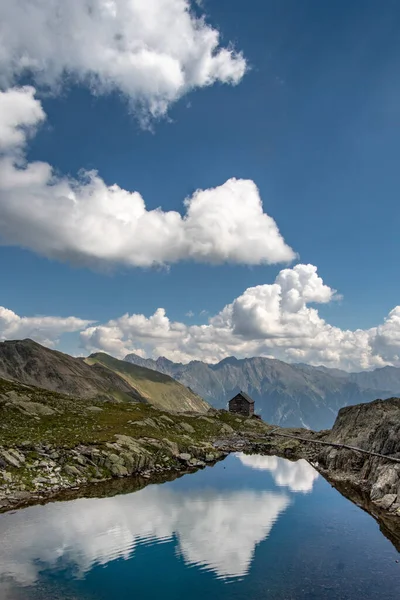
(202, 179)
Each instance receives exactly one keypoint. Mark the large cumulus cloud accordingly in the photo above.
(84, 220)
(152, 51)
(277, 320)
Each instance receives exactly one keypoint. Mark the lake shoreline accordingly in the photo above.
(166, 463)
(148, 445)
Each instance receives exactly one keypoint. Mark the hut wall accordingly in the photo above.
(241, 406)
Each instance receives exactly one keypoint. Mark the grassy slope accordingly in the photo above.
(73, 421)
(159, 389)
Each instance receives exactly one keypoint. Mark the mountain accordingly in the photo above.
(159, 389)
(387, 378)
(99, 377)
(289, 395)
(30, 363)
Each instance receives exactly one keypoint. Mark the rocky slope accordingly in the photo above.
(290, 395)
(101, 377)
(374, 427)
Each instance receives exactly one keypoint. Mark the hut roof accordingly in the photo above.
(245, 396)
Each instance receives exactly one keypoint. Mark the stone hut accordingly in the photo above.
(242, 404)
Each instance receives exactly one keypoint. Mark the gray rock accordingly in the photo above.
(71, 470)
(187, 427)
(10, 459)
(387, 501)
(40, 480)
(128, 442)
(118, 470)
(184, 456)
(114, 459)
(171, 446)
(128, 461)
(195, 462)
(18, 455)
(226, 428)
(148, 422)
(166, 419)
(387, 479)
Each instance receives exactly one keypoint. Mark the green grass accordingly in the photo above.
(73, 423)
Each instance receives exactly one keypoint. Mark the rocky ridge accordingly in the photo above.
(100, 377)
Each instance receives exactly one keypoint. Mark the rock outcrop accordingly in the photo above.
(374, 427)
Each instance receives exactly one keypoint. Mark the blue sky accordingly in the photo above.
(314, 123)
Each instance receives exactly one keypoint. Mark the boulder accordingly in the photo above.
(184, 457)
(171, 446)
(128, 442)
(166, 419)
(386, 482)
(71, 470)
(187, 427)
(118, 470)
(10, 459)
(387, 501)
(226, 428)
(18, 455)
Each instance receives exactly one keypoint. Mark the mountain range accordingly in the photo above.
(99, 377)
(289, 395)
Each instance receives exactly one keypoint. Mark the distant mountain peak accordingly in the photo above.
(229, 360)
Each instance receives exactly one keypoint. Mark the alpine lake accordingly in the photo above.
(249, 528)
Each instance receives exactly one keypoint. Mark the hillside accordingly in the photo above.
(157, 388)
(100, 377)
(30, 363)
(51, 441)
(289, 395)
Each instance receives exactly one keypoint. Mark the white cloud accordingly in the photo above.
(274, 320)
(45, 330)
(19, 111)
(89, 222)
(152, 51)
(214, 530)
(298, 476)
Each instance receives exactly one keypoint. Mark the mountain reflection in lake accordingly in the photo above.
(269, 526)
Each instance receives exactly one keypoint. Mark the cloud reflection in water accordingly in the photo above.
(215, 530)
(298, 476)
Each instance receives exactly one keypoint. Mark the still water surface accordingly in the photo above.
(251, 527)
